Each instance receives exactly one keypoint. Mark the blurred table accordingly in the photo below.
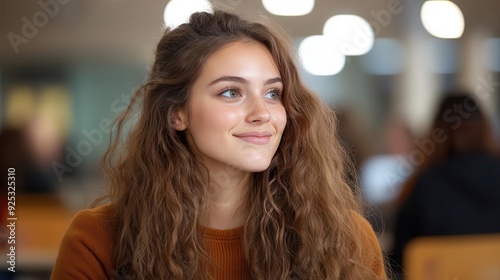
(41, 223)
(453, 257)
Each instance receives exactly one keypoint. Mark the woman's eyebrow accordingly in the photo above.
(229, 79)
(242, 80)
(273, 80)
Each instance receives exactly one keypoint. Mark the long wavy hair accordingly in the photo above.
(300, 222)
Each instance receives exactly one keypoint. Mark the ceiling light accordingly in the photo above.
(320, 56)
(178, 12)
(443, 19)
(353, 34)
(289, 7)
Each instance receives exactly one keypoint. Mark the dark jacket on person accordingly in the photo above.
(458, 197)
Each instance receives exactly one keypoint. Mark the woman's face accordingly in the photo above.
(236, 113)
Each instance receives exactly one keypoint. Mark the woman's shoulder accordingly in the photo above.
(100, 215)
(365, 229)
(361, 222)
(97, 222)
(95, 226)
(86, 249)
(372, 252)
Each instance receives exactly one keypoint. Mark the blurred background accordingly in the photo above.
(69, 67)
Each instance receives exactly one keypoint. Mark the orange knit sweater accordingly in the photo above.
(85, 252)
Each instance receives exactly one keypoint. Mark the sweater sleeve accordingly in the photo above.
(373, 257)
(85, 251)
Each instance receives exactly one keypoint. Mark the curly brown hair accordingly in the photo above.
(300, 222)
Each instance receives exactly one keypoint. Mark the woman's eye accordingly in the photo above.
(274, 94)
(230, 93)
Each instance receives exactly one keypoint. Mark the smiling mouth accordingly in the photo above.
(258, 138)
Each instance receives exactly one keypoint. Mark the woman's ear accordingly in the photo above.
(179, 119)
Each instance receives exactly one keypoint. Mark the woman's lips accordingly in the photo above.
(258, 138)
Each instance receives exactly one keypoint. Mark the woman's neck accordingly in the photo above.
(225, 206)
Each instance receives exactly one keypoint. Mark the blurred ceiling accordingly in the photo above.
(80, 28)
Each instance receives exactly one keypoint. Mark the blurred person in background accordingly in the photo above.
(456, 189)
(34, 134)
(232, 171)
(46, 147)
(31, 149)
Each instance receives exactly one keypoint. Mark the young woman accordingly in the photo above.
(231, 171)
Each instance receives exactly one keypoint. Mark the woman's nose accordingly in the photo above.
(258, 111)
